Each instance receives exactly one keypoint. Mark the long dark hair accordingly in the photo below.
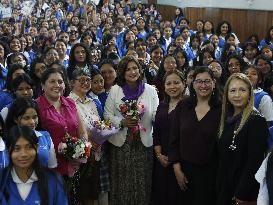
(243, 64)
(32, 69)
(161, 71)
(19, 108)
(11, 58)
(12, 70)
(6, 48)
(268, 82)
(214, 99)
(181, 12)
(15, 133)
(73, 62)
(252, 45)
(202, 53)
(4, 130)
(180, 75)
(20, 79)
(218, 29)
(175, 53)
(225, 52)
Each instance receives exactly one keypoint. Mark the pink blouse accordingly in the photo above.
(57, 124)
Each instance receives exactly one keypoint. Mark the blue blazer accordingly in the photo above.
(5, 99)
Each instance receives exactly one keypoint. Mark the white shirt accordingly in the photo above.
(168, 41)
(248, 61)
(2, 145)
(24, 188)
(260, 176)
(3, 162)
(4, 113)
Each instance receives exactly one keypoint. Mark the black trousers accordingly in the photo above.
(201, 183)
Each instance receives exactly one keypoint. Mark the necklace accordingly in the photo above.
(233, 146)
(172, 106)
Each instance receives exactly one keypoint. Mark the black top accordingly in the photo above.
(162, 127)
(193, 140)
(238, 167)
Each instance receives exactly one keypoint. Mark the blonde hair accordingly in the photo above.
(226, 106)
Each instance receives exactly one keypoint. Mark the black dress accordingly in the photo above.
(165, 186)
(238, 167)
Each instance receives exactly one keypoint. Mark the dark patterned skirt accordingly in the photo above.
(131, 173)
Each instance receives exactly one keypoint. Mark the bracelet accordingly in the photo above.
(158, 155)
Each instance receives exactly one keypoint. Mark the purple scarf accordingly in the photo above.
(234, 120)
(132, 93)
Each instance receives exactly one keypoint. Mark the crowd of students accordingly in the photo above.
(207, 98)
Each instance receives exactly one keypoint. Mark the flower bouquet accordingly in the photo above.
(75, 150)
(135, 110)
(102, 130)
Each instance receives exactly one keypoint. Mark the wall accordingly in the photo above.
(244, 22)
(234, 4)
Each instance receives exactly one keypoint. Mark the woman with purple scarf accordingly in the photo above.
(131, 105)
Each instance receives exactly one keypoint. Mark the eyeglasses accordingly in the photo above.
(84, 80)
(200, 82)
(73, 32)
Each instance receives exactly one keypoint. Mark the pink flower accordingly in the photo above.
(61, 147)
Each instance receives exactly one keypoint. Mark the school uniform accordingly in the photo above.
(264, 43)
(46, 151)
(4, 156)
(4, 72)
(17, 192)
(142, 35)
(263, 103)
(5, 99)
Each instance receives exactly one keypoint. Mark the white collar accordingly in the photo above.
(93, 95)
(257, 90)
(38, 134)
(2, 144)
(76, 98)
(17, 180)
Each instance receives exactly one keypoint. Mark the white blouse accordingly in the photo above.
(24, 188)
(87, 109)
(260, 176)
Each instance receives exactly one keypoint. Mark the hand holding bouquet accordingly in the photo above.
(102, 130)
(132, 108)
(75, 150)
(132, 112)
